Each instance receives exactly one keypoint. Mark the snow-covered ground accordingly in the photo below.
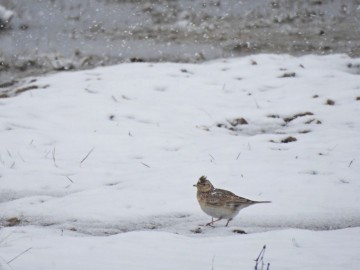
(97, 166)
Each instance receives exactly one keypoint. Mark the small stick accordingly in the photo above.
(48, 152)
(12, 165)
(145, 164)
(331, 149)
(114, 98)
(257, 105)
(69, 179)
(17, 256)
(211, 156)
(88, 154)
(53, 156)
(238, 156)
(260, 257)
(351, 162)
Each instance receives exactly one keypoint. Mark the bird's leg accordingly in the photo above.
(228, 222)
(213, 221)
(210, 223)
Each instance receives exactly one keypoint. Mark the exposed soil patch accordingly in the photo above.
(288, 75)
(291, 118)
(318, 122)
(285, 140)
(14, 221)
(233, 124)
(13, 91)
(330, 102)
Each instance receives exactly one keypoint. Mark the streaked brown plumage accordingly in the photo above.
(220, 203)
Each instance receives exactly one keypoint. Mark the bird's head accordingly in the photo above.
(204, 185)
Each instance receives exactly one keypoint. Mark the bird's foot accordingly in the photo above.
(210, 224)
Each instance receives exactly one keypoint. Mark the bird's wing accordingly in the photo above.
(224, 197)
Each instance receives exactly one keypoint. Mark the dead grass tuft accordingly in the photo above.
(291, 118)
(11, 222)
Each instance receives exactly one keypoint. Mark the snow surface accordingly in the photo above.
(97, 166)
(5, 15)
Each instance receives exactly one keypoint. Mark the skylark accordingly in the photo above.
(220, 203)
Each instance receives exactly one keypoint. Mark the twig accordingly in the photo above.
(47, 153)
(12, 165)
(53, 157)
(213, 159)
(88, 154)
(351, 162)
(69, 179)
(344, 181)
(249, 146)
(331, 149)
(295, 243)
(260, 258)
(261, 253)
(212, 262)
(17, 256)
(9, 153)
(114, 98)
(257, 105)
(145, 164)
(90, 91)
(238, 156)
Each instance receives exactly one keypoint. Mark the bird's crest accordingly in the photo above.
(203, 178)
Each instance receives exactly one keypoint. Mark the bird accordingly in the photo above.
(220, 203)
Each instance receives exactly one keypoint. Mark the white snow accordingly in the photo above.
(5, 15)
(97, 166)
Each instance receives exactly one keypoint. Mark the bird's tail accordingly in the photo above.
(262, 202)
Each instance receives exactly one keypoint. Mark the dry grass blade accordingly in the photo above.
(212, 157)
(88, 154)
(69, 179)
(351, 162)
(145, 165)
(17, 256)
(53, 157)
(260, 259)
